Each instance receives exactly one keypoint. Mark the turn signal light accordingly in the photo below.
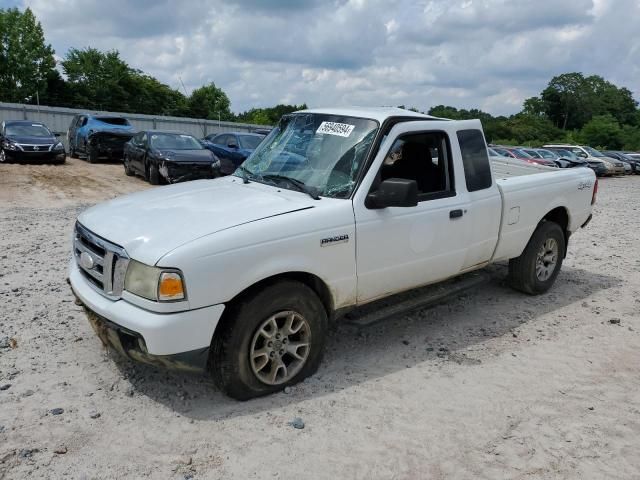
(170, 286)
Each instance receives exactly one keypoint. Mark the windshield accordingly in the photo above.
(593, 152)
(547, 154)
(123, 122)
(324, 151)
(171, 141)
(32, 130)
(522, 153)
(567, 154)
(250, 142)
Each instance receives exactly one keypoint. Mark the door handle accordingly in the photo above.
(455, 213)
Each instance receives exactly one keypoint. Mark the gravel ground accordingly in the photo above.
(493, 384)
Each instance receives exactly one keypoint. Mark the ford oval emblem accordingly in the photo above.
(86, 261)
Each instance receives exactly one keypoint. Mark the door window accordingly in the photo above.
(221, 139)
(425, 158)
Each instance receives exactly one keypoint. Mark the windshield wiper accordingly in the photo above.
(243, 173)
(300, 185)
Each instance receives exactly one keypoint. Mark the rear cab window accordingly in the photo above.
(477, 171)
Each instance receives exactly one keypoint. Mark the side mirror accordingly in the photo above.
(232, 145)
(394, 192)
(582, 155)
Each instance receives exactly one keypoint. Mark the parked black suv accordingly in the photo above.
(27, 141)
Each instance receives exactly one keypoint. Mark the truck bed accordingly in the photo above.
(504, 167)
(529, 192)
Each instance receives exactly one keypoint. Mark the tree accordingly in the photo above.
(571, 100)
(210, 102)
(603, 131)
(268, 116)
(102, 80)
(97, 79)
(25, 59)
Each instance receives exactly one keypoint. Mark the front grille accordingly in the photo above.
(36, 148)
(102, 263)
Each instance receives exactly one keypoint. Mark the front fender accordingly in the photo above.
(218, 267)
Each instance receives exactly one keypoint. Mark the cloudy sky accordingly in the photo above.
(489, 54)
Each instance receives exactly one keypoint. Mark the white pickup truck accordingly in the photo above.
(337, 208)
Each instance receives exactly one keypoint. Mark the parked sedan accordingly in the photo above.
(168, 157)
(599, 167)
(24, 140)
(520, 154)
(232, 148)
(564, 159)
(537, 157)
(634, 163)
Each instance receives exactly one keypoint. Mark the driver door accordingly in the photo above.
(400, 248)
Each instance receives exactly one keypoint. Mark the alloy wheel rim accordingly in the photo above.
(2, 156)
(547, 259)
(280, 347)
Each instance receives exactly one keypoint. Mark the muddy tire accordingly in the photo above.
(535, 271)
(72, 152)
(92, 155)
(269, 339)
(154, 175)
(127, 167)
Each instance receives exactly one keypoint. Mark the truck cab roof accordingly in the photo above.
(379, 114)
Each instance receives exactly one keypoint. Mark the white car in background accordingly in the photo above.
(614, 166)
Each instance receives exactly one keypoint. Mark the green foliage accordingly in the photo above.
(604, 132)
(572, 109)
(268, 116)
(103, 81)
(26, 60)
(209, 102)
(571, 100)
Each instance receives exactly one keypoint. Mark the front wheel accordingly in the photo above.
(154, 174)
(3, 156)
(535, 271)
(127, 167)
(92, 155)
(269, 340)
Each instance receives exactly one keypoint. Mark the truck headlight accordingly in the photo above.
(58, 147)
(154, 283)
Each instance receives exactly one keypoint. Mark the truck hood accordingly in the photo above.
(150, 224)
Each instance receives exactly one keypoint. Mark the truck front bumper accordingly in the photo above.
(176, 340)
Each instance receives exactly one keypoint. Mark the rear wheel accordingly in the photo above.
(270, 340)
(535, 271)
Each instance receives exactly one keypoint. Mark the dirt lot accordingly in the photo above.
(494, 384)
